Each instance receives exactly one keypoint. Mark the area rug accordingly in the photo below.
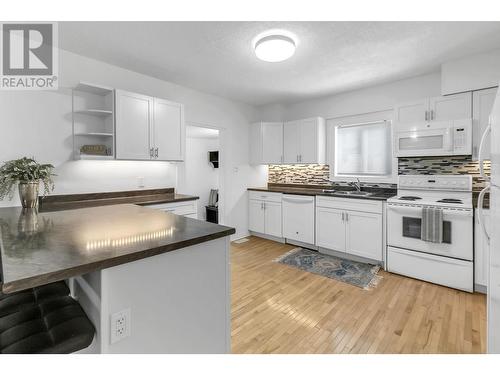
(348, 271)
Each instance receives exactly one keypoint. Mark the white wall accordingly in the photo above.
(471, 73)
(39, 124)
(199, 174)
(371, 99)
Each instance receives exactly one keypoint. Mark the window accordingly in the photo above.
(363, 149)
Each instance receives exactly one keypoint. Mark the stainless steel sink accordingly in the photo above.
(354, 192)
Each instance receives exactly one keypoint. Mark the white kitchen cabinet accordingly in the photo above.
(272, 219)
(330, 229)
(264, 210)
(256, 216)
(439, 108)
(184, 208)
(291, 146)
(168, 130)
(133, 126)
(482, 104)
(266, 143)
(148, 128)
(451, 107)
(414, 111)
(351, 226)
(481, 251)
(298, 218)
(304, 141)
(364, 234)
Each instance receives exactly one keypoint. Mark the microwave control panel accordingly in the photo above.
(460, 137)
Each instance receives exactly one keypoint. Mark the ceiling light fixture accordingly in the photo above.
(274, 47)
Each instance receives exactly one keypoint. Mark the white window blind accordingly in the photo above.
(363, 149)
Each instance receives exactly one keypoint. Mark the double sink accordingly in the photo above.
(348, 193)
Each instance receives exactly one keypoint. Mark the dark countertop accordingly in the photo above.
(39, 248)
(380, 194)
(141, 197)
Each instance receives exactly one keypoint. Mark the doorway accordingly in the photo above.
(202, 169)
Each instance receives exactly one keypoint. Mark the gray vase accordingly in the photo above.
(28, 192)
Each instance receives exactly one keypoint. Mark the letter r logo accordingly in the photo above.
(27, 49)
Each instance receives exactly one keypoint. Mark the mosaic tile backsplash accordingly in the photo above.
(303, 174)
(315, 174)
(444, 165)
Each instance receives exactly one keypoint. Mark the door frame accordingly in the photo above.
(222, 165)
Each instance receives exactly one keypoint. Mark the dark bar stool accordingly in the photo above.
(44, 319)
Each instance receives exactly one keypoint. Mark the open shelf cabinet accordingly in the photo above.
(93, 120)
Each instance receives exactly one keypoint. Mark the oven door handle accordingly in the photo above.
(418, 210)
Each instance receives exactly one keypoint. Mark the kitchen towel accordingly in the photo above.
(432, 224)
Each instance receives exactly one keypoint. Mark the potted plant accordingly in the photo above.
(27, 173)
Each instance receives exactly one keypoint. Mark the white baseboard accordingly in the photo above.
(480, 288)
(355, 258)
(267, 237)
(302, 244)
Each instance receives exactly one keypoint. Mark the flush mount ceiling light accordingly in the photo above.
(274, 47)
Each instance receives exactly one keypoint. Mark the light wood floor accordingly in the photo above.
(279, 309)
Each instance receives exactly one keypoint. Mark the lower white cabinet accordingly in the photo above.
(341, 227)
(364, 234)
(298, 218)
(184, 208)
(265, 213)
(481, 251)
(330, 229)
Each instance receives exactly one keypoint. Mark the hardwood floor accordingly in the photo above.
(279, 309)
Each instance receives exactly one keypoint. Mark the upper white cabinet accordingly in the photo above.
(169, 133)
(451, 107)
(133, 122)
(482, 104)
(292, 142)
(266, 143)
(304, 141)
(414, 111)
(148, 128)
(439, 108)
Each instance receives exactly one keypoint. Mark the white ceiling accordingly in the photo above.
(331, 57)
(199, 132)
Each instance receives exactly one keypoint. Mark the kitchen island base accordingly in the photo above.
(175, 302)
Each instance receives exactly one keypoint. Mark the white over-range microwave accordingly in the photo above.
(436, 138)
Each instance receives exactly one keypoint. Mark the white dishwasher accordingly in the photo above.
(298, 218)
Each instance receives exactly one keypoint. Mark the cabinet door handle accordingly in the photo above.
(151, 153)
(346, 217)
(297, 158)
(156, 152)
(342, 216)
(300, 158)
(432, 114)
(426, 115)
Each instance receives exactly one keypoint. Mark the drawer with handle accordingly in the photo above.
(265, 196)
(186, 208)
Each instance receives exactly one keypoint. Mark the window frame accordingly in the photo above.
(368, 118)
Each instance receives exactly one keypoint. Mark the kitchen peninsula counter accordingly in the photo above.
(168, 270)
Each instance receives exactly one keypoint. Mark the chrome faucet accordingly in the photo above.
(356, 184)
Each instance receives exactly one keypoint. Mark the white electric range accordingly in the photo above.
(449, 262)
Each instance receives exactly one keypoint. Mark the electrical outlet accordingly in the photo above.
(140, 182)
(120, 325)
